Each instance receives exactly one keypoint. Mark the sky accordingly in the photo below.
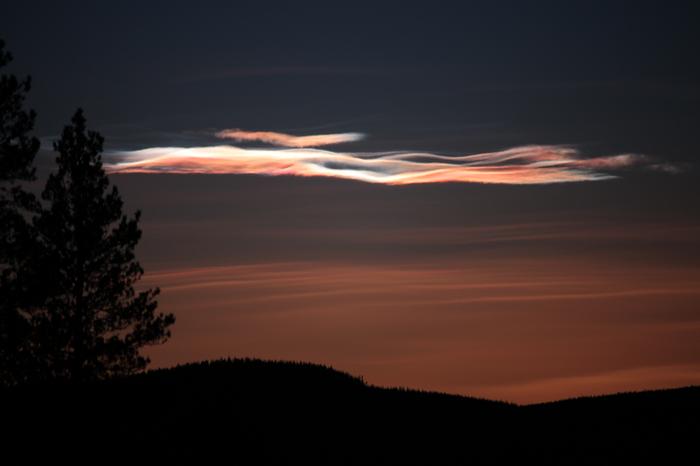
(497, 199)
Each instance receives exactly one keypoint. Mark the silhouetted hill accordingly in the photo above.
(258, 412)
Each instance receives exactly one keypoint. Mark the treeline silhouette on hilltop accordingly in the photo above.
(246, 411)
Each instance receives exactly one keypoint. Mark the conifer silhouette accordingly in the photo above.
(92, 322)
(17, 151)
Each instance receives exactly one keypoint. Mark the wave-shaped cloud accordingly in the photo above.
(288, 140)
(534, 164)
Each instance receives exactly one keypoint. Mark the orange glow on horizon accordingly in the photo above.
(526, 330)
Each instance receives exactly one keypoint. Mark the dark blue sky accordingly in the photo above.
(446, 77)
(442, 76)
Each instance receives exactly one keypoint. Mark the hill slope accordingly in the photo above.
(258, 412)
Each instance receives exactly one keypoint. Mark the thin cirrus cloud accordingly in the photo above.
(532, 164)
(492, 316)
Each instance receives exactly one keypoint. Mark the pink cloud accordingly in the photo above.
(288, 140)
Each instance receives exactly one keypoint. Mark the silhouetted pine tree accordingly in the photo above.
(17, 152)
(92, 322)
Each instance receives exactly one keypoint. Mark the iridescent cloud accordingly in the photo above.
(288, 140)
(534, 164)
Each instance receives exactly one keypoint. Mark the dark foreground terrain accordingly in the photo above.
(258, 412)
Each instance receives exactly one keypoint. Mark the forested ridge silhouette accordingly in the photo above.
(248, 411)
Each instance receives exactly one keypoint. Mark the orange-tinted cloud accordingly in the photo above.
(537, 164)
(288, 140)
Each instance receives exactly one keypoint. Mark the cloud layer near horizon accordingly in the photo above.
(524, 330)
(534, 164)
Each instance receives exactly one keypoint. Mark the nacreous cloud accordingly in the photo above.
(519, 165)
(288, 140)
